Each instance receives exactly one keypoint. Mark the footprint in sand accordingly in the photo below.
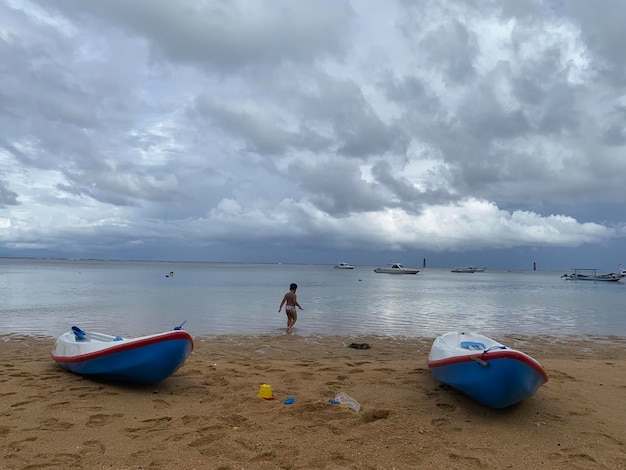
(374, 415)
(59, 404)
(440, 421)
(189, 419)
(557, 374)
(98, 420)
(94, 446)
(160, 404)
(303, 364)
(329, 369)
(21, 444)
(22, 403)
(336, 383)
(580, 458)
(161, 421)
(446, 406)
(234, 419)
(52, 424)
(206, 440)
(463, 458)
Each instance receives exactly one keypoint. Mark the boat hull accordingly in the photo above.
(396, 268)
(468, 269)
(601, 278)
(588, 274)
(147, 359)
(491, 373)
(344, 266)
(396, 271)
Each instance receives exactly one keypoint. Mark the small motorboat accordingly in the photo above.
(344, 266)
(145, 359)
(467, 269)
(396, 268)
(486, 370)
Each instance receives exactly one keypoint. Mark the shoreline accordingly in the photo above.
(208, 415)
(547, 346)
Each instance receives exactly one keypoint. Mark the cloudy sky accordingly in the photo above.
(315, 131)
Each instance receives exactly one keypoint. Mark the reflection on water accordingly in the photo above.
(134, 298)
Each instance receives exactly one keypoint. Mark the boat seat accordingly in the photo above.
(78, 333)
(473, 345)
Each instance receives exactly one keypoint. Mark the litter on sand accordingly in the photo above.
(343, 400)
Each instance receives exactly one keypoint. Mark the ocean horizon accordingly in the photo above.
(133, 298)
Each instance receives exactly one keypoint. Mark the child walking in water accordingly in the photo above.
(290, 309)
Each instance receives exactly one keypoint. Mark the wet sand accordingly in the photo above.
(208, 415)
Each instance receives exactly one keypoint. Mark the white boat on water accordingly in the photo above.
(592, 275)
(396, 268)
(468, 269)
(344, 266)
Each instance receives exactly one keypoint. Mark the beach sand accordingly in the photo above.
(207, 415)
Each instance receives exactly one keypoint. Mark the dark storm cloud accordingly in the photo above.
(7, 197)
(336, 187)
(229, 35)
(437, 125)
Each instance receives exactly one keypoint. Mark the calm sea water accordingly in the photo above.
(131, 298)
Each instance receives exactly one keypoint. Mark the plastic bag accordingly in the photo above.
(346, 400)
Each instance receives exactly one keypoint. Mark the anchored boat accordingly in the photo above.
(467, 269)
(344, 266)
(396, 268)
(591, 275)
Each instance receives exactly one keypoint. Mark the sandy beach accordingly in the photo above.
(208, 415)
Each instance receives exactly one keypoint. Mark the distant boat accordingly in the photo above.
(488, 371)
(591, 275)
(344, 266)
(468, 269)
(396, 268)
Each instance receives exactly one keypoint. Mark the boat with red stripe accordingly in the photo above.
(484, 369)
(145, 359)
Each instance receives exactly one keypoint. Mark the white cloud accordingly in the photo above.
(438, 126)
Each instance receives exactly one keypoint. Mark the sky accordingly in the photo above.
(460, 132)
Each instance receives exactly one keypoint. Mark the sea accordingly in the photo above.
(45, 297)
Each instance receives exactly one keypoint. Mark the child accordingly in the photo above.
(290, 309)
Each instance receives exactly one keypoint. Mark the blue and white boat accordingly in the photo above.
(484, 369)
(146, 359)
